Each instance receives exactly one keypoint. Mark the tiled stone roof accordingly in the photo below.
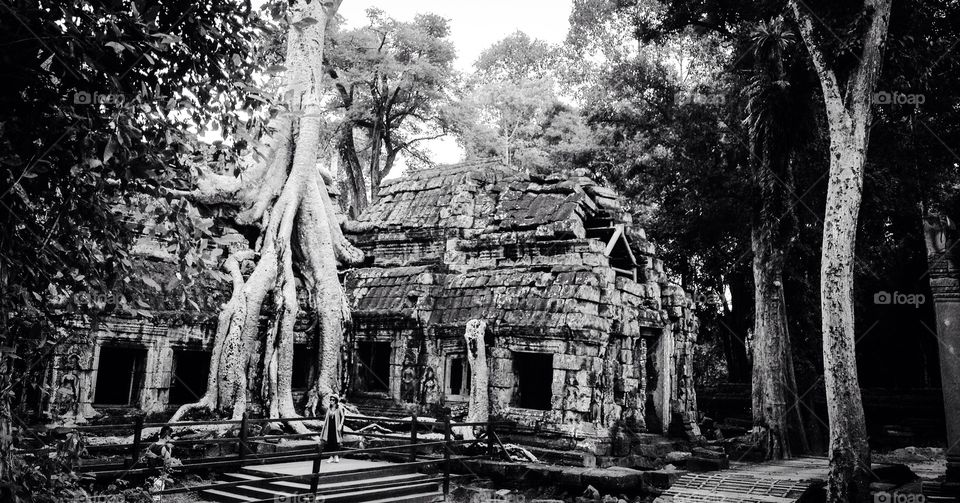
(485, 196)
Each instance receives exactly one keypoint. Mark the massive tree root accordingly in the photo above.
(478, 408)
(286, 197)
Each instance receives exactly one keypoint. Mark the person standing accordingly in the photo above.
(332, 432)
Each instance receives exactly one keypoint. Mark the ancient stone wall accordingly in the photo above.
(105, 349)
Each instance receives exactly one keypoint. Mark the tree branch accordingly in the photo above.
(865, 77)
(828, 79)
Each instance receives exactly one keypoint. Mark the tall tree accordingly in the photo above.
(847, 96)
(284, 195)
(518, 57)
(772, 113)
(395, 83)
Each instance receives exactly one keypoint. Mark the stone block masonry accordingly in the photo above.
(585, 334)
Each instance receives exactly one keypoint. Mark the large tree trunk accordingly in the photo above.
(848, 111)
(376, 143)
(777, 423)
(478, 409)
(287, 196)
(849, 451)
(776, 414)
(357, 197)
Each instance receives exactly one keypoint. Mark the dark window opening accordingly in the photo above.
(119, 376)
(458, 376)
(302, 364)
(598, 221)
(374, 366)
(188, 382)
(534, 374)
(652, 416)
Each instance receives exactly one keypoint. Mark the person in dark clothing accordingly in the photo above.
(332, 433)
(163, 447)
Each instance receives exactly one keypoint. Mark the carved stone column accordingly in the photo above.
(945, 284)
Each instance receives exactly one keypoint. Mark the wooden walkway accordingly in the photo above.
(773, 482)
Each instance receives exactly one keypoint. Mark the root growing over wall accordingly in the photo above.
(286, 196)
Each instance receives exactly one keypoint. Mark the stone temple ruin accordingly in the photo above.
(584, 333)
(585, 336)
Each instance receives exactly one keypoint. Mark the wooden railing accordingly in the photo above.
(133, 464)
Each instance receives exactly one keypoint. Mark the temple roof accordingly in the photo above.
(485, 195)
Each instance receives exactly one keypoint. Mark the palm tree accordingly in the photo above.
(773, 129)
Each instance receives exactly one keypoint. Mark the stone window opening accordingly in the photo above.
(373, 362)
(120, 376)
(622, 259)
(457, 376)
(534, 380)
(188, 379)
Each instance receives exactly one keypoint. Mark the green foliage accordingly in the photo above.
(517, 58)
(47, 477)
(395, 81)
(101, 106)
(511, 109)
(103, 101)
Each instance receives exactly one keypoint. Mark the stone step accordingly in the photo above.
(343, 476)
(225, 496)
(238, 477)
(395, 490)
(394, 484)
(258, 492)
(304, 487)
(383, 493)
(429, 497)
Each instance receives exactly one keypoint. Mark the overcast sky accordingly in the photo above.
(475, 25)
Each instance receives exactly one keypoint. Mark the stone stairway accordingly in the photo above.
(380, 483)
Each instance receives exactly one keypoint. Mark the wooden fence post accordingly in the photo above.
(413, 438)
(489, 435)
(447, 434)
(137, 434)
(242, 440)
(315, 480)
